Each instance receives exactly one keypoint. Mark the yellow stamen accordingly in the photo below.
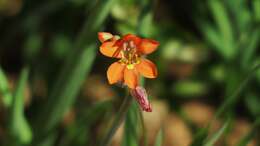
(129, 55)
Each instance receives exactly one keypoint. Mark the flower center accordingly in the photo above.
(129, 54)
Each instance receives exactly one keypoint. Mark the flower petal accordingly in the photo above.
(130, 78)
(108, 49)
(147, 46)
(129, 37)
(115, 72)
(147, 68)
(104, 36)
(132, 37)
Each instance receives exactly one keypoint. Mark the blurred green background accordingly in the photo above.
(53, 86)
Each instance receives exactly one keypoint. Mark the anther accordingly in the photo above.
(125, 45)
(131, 44)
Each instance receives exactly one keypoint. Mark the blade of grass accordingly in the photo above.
(224, 25)
(19, 127)
(226, 105)
(256, 7)
(75, 69)
(131, 127)
(159, 138)
(213, 139)
(233, 98)
(251, 48)
(123, 110)
(143, 128)
(4, 89)
(212, 36)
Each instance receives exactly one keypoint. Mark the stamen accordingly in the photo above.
(131, 44)
(129, 55)
(125, 46)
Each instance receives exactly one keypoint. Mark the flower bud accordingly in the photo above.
(139, 93)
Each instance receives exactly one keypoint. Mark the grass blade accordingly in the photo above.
(233, 98)
(131, 127)
(256, 6)
(19, 127)
(118, 120)
(159, 138)
(213, 139)
(212, 36)
(77, 66)
(220, 16)
(251, 48)
(4, 89)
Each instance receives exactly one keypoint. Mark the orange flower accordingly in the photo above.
(129, 49)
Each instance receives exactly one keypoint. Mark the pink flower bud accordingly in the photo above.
(139, 93)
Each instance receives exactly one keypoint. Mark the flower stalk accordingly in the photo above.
(118, 119)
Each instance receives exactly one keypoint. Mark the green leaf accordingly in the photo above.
(19, 127)
(159, 138)
(250, 49)
(256, 7)
(4, 89)
(253, 103)
(233, 98)
(241, 14)
(146, 25)
(224, 25)
(131, 133)
(77, 66)
(213, 139)
(212, 36)
(60, 102)
(120, 116)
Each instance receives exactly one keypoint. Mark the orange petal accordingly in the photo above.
(104, 36)
(108, 49)
(147, 68)
(115, 72)
(135, 38)
(131, 78)
(147, 46)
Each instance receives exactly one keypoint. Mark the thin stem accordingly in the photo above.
(144, 132)
(118, 120)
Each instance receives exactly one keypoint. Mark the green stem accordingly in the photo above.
(144, 131)
(118, 120)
